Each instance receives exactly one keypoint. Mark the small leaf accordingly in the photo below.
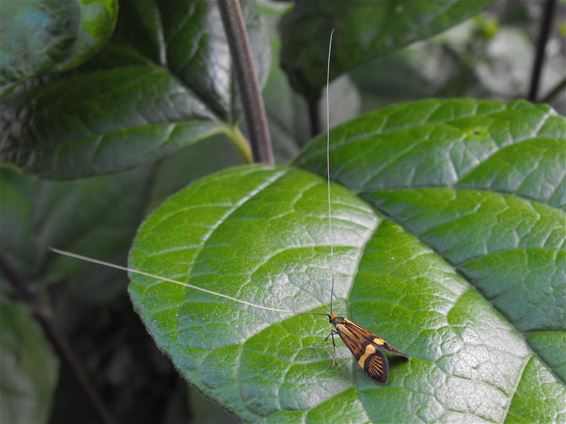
(45, 36)
(364, 31)
(28, 367)
(463, 272)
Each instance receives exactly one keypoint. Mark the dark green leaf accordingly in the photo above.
(461, 268)
(92, 216)
(28, 368)
(550, 346)
(40, 37)
(187, 37)
(67, 131)
(287, 112)
(169, 87)
(364, 31)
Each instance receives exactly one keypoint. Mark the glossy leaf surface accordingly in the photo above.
(364, 30)
(440, 249)
(40, 37)
(163, 82)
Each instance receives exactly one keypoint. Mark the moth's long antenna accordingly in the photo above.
(328, 167)
(168, 280)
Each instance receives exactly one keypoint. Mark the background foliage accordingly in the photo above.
(449, 213)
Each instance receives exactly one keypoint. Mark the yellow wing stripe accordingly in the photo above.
(369, 350)
(379, 341)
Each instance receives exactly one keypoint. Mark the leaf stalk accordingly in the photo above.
(240, 142)
(246, 78)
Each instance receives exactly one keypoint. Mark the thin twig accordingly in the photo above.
(555, 91)
(314, 117)
(544, 33)
(57, 340)
(246, 77)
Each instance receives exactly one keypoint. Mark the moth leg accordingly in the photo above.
(332, 333)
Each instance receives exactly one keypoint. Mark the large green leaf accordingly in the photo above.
(163, 82)
(364, 30)
(28, 368)
(45, 36)
(449, 242)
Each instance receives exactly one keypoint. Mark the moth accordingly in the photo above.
(367, 348)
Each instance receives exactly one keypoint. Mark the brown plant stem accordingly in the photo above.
(544, 33)
(57, 340)
(246, 77)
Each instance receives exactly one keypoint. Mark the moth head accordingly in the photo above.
(331, 318)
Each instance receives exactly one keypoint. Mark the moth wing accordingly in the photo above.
(390, 348)
(354, 337)
(368, 335)
(377, 367)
